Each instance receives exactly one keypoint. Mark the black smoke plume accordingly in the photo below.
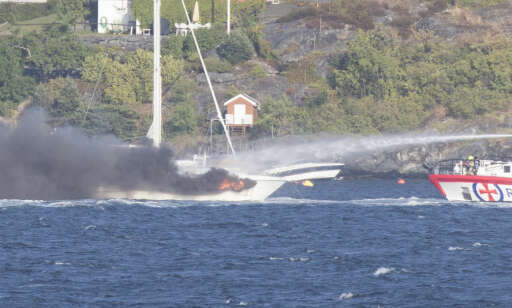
(38, 162)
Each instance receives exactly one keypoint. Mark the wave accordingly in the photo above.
(383, 271)
(280, 201)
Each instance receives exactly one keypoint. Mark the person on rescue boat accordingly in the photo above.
(477, 164)
(470, 165)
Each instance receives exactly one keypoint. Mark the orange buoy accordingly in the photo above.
(400, 181)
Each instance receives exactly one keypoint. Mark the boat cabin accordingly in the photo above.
(241, 112)
(480, 167)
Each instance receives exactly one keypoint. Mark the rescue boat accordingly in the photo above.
(487, 180)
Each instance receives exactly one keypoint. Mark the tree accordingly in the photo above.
(14, 86)
(71, 11)
(61, 98)
(182, 120)
(237, 48)
(55, 53)
(280, 118)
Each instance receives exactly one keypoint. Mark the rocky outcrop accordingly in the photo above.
(418, 160)
(125, 42)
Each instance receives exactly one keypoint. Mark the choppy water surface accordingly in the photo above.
(365, 243)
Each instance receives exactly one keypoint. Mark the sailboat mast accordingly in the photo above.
(156, 127)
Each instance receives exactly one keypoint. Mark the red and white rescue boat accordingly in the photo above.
(474, 180)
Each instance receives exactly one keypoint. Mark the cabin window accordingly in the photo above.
(466, 194)
(506, 169)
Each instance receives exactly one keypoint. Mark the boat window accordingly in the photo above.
(466, 194)
(506, 169)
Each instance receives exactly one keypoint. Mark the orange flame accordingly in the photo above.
(233, 184)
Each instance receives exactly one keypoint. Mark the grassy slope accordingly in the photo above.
(36, 24)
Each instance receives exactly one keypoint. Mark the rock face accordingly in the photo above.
(418, 160)
(127, 43)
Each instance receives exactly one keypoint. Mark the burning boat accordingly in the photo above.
(229, 188)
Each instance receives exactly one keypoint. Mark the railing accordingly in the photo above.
(450, 166)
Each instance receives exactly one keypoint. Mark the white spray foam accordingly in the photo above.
(383, 271)
(275, 258)
(477, 244)
(455, 248)
(347, 295)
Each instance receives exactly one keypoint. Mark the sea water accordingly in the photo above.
(353, 243)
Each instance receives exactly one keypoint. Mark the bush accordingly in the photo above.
(61, 98)
(236, 49)
(404, 22)
(218, 66)
(173, 46)
(13, 12)
(355, 12)
(261, 46)
(257, 72)
(207, 39)
(297, 14)
(183, 119)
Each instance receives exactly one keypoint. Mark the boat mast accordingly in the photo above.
(219, 113)
(155, 131)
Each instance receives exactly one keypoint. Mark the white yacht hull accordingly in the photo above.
(264, 187)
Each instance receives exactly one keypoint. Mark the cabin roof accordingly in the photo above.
(251, 100)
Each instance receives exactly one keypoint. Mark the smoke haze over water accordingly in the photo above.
(37, 162)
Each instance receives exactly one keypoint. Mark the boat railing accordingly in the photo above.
(473, 167)
(450, 166)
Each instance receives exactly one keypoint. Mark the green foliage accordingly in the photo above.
(218, 66)
(173, 46)
(119, 81)
(16, 12)
(257, 72)
(61, 98)
(261, 46)
(129, 80)
(71, 11)
(355, 12)
(182, 120)
(171, 69)
(14, 86)
(182, 91)
(297, 14)
(121, 121)
(303, 72)
(207, 39)
(237, 48)
(212, 11)
(369, 67)
(54, 54)
(280, 118)
(391, 87)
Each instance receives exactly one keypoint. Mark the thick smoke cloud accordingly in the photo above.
(37, 162)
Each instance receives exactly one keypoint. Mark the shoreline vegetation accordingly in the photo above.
(392, 75)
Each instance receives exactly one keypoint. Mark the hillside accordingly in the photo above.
(344, 67)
